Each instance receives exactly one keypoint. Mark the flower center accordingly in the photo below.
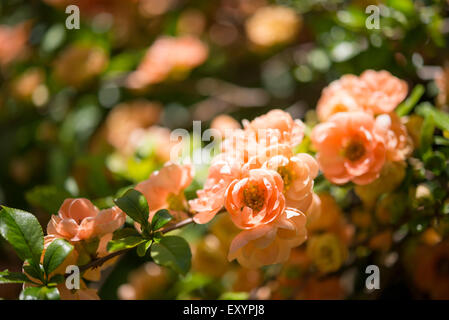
(175, 202)
(355, 150)
(253, 197)
(288, 175)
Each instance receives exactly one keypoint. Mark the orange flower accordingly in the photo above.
(224, 124)
(78, 219)
(164, 189)
(222, 172)
(256, 199)
(350, 147)
(374, 92)
(166, 56)
(269, 243)
(289, 131)
(399, 144)
(384, 91)
(297, 173)
(342, 95)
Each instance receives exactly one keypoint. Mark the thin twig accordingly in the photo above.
(99, 262)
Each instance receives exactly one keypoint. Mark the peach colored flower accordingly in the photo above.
(290, 131)
(342, 95)
(164, 189)
(166, 56)
(297, 173)
(224, 124)
(399, 144)
(241, 144)
(374, 92)
(222, 172)
(350, 147)
(384, 91)
(78, 219)
(256, 199)
(269, 243)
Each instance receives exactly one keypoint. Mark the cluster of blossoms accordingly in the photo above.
(265, 187)
(360, 132)
(89, 230)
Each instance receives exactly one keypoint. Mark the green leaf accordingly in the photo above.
(427, 130)
(143, 248)
(125, 243)
(34, 270)
(160, 219)
(406, 107)
(13, 277)
(173, 252)
(39, 293)
(48, 198)
(55, 254)
(441, 118)
(134, 204)
(56, 279)
(124, 233)
(22, 230)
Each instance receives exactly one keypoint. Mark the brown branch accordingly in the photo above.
(99, 262)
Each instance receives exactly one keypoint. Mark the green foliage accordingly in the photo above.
(13, 277)
(407, 106)
(427, 130)
(134, 204)
(55, 254)
(143, 248)
(441, 118)
(160, 219)
(173, 252)
(22, 230)
(39, 293)
(124, 243)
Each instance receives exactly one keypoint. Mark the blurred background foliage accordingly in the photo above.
(68, 115)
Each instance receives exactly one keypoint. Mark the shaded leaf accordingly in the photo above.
(55, 254)
(125, 243)
(160, 219)
(173, 252)
(13, 277)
